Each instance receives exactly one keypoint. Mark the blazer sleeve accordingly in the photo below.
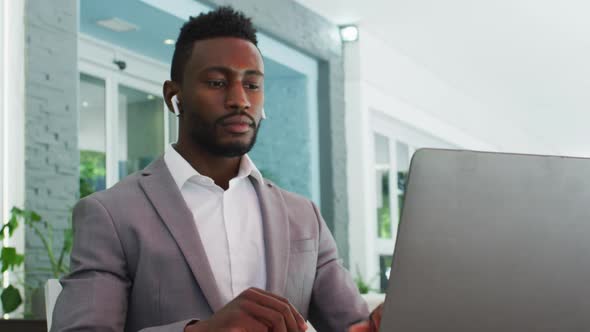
(335, 301)
(95, 292)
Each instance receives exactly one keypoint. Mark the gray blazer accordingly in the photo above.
(138, 262)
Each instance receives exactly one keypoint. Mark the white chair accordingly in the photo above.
(373, 299)
(52, 290)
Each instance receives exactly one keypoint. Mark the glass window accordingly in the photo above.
(384, 270)
(394, 145)
(382, 167)
(141, 129)
(403, 166)
(91, 141)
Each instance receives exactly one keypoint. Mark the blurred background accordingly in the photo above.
(352, 91)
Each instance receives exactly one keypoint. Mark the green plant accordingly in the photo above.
(383, 212)
(92, 168)
(11, 298)
(363, 286)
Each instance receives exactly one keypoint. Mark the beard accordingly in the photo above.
(205, 135)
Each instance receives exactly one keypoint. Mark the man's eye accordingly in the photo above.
(216, 84)
(252, 86)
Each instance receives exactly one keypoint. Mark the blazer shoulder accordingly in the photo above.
(290, 197)
(121, 191)
(298, 205)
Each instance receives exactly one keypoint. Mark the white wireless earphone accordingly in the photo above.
(175, 104)
(263, 114)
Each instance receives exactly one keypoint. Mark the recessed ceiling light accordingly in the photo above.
(150, 97)
(169, 41)
(349, 33)
(85, 104)
(117, 24)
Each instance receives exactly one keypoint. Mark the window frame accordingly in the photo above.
(395, 132)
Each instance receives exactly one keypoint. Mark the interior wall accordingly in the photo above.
(390, 72)
(283, 145)
(381, 80)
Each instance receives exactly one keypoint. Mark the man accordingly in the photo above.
(199, 240)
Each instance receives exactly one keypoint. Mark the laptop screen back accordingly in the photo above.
(492, 242)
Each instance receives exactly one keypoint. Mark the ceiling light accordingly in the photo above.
(349, 33)
(150, 97)
(85, 104)
(169, 41)
(117, 24)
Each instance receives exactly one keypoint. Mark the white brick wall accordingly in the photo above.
(51, 130)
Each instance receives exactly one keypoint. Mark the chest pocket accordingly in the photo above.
(298, 246)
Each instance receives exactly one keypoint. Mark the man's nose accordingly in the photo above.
(237, 98)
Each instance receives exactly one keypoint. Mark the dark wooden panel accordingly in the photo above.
(23, 325)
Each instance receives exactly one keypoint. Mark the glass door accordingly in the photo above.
(141, 129)
(124, 126)
(92, 134)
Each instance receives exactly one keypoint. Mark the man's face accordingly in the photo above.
(223, 95)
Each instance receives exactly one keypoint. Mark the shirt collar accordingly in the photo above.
(247, 168)
(182, 171)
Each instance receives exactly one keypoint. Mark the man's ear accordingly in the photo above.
(171, 89)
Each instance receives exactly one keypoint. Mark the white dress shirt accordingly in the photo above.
(229, 223)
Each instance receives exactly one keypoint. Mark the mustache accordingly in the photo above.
(220, 120)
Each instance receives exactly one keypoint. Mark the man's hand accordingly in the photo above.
(371, 325)
(252, 311)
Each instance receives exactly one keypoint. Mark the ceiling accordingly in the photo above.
(154, 26)
(527, 59)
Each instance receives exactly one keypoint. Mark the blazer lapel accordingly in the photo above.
(276, 235)
(162, 191)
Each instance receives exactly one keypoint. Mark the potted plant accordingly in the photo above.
(371, 295)
(11, 260)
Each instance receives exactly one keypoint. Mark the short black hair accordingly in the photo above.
(222, 22)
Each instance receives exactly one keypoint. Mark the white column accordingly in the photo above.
(360, 172)
(12, 114)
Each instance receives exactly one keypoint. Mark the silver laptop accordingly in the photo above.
(492, 242)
